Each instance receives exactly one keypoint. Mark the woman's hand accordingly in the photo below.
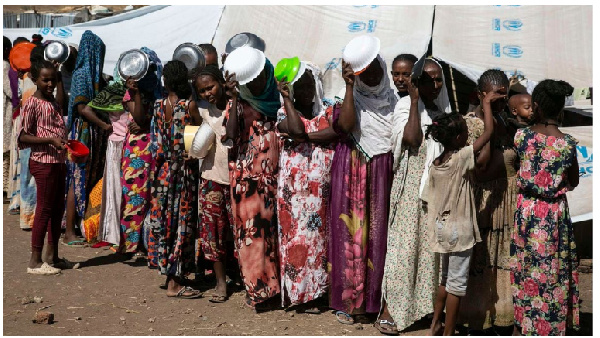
(134, 128)
(347, 74)
(58, 143)
(413, 89)
(131, 85)
(108, 128)
(284, 89)
(231, 85)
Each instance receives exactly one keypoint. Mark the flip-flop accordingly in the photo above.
(313, 311)
(180, 294)
(348, 318)
(216, 297)
(75, 244)
(386, 327)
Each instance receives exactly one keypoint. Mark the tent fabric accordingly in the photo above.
(320, 33)
(538, 41)
(160, 29)
(580, 199)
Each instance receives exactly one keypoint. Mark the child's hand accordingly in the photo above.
(58, 143)
(131, 85)
(134, 128)
(490, 97)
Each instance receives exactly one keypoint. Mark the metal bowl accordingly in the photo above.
(245, 39)
(133, 64)
(191, 55)
(57, 51)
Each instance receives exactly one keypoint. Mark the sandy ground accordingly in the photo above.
(115, 295)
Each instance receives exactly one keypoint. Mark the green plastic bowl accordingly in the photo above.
(287, 68)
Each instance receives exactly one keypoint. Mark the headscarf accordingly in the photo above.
(151, 81)
(318, 103)
(85, 83)
(401, 113)
(111, 97)
(267, 103)
(374, 109)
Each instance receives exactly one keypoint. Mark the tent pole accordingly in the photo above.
(453, 89)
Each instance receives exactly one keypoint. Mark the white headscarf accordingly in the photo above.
(401, 113)
(374, 110)
(318, 105)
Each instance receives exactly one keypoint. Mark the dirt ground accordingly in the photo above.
(114, 295)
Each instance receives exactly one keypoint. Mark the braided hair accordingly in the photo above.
(550, 96)
(445, 128)
(492, 77)
(210, 70)
(38, 65)
(405, 57)
(37, 54)
(176, 78)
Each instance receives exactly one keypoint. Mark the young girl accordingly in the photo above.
(543, 254)
(43, 130)
(452, 220)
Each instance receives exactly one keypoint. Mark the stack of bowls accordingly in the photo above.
(198, 140)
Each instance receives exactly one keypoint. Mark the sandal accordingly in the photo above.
(344, 318)
(217, 297)
(195, 293)
(386, 327)
(313, 311)
(75, 244)
(45, 269)
(65, 264)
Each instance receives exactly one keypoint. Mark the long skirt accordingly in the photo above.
(14, 171)
(28, 191)
(214, 220)
(358, 219)
(136, 167)
(112, 192)
(411, 268)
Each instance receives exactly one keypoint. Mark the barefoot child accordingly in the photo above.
(452, 220)
(543, 252)
(43, 130)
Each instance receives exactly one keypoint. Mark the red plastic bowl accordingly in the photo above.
(77, 151)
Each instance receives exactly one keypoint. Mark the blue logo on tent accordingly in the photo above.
(62, 32)
(44, 31)
(333, 64)
(372, 6)
(513, 25)
(357, 26)
(496, 24)
(372, 25)
(496, 50)
(512, 51)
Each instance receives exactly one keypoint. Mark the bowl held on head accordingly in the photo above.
(77, 152)
(290, 68)
(246, 63)
(133, 63)
(19, 56)
(198, 140)
(245, 39)
(57, 51)
(191, 55)
(418, 67)
(361, 51)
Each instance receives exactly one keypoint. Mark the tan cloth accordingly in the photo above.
(215, 165)
(452, 215)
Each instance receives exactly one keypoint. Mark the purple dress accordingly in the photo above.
(358, 218)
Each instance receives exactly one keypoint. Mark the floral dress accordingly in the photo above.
(253, 170)
(543, 256)
(174, 213)
(302, 201)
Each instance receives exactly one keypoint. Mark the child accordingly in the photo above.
(543, 253)
(521, 109)
(43, 130)
(452, 221)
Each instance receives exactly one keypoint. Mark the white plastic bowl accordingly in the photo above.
(301, 71)
(361, 51)
(198, 140)
(246, 63)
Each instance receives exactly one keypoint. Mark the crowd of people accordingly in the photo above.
(386, 204)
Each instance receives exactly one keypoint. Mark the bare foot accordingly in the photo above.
(436, 329)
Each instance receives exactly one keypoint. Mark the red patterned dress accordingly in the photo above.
(302, 201)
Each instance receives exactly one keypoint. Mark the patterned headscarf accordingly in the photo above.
(267, 103)
(111, 97)
(151, 82)
(85, 83)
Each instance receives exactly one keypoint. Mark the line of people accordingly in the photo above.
(387, 203)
